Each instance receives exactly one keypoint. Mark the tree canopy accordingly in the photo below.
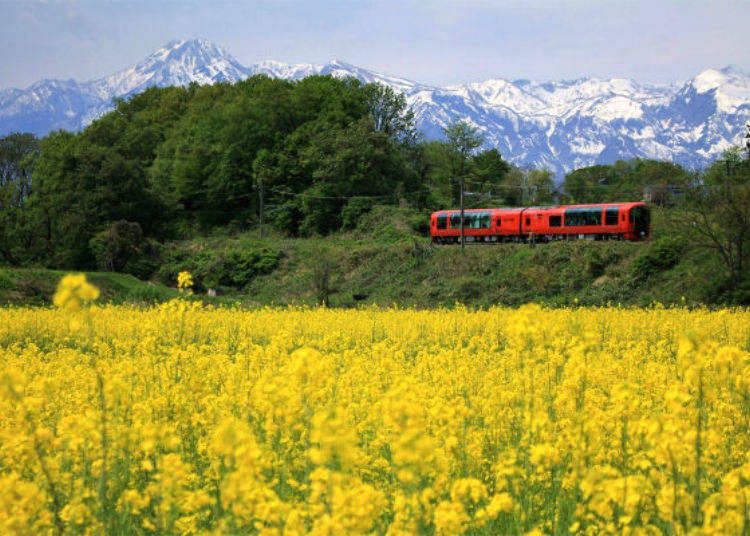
(175, 161)
(661, 182)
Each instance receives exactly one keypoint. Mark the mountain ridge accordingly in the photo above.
(558, 125)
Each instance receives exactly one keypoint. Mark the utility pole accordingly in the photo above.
(461, 204)
(260, 208)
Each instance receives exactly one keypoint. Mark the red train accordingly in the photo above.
(615, 221)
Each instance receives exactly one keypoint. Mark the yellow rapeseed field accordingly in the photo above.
(184, 419)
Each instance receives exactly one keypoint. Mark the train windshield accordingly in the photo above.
(641, 219)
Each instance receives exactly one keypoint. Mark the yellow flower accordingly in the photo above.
(185, 281)
(450, 518)
(74, 291)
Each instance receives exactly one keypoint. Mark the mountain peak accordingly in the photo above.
(178, 63)
(730, 85)
(559, 125)
(200, 48)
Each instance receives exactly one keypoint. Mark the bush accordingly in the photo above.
(232, 266)
(123, 248)
(386, 223)
(420, 224)
(598, 257)
(661, 255)
(353, 211)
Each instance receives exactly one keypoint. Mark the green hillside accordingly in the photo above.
(387, 262)
(334, 177)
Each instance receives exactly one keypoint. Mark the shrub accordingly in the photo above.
(661, 255)
(353, 211)
(232, 266)
(123, 248)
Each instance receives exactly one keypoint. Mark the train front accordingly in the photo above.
(638, 222)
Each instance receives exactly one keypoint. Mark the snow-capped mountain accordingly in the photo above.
(558, 125)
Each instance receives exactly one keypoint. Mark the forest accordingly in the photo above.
(299, 158)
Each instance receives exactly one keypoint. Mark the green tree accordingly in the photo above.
(52, 209)
(390, 113)
(661, 183)
(436, 173)
(17, 154)
(527, 187)
(589, 184)
(541, 187)
(718, 215)
(487, 171)
(463, 140)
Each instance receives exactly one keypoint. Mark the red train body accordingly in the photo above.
(615, 221)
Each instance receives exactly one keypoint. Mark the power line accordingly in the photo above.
(330, 197)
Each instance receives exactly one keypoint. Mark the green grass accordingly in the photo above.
(36, 286)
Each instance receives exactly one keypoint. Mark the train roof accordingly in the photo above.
(622, 204)
(489, 209)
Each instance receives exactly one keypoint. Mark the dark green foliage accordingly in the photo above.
(660, 255)
(123, 248)
(462, 141)
(717, 214)
(420, 224)
(180, 161)
(661, 183)
(597, 259)
(353, 211)
(224, 264)
(17, 155)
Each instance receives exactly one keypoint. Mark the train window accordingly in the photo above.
(477, 220)
(442, 221)
(555, 221)
(610, 215)
(472, 220)
(576, 217)
(499, 222)
(528, 221)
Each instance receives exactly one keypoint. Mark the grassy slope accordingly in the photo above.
(389, 264)
(36, 286)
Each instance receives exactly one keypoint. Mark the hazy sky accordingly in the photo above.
(437, 42)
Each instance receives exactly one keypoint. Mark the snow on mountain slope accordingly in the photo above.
(177, 64)
(560, 125)
(730, 86)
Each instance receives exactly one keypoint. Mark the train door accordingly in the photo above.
(640, 217)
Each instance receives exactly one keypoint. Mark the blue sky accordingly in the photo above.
(437, 42)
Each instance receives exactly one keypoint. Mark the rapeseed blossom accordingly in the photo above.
(73, 291)
(319, 421)
(185, 282)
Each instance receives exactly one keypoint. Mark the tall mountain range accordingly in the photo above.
(558, 125)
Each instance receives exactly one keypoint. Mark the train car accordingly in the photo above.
(480, 225)
(617, 221)
(604, 221)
